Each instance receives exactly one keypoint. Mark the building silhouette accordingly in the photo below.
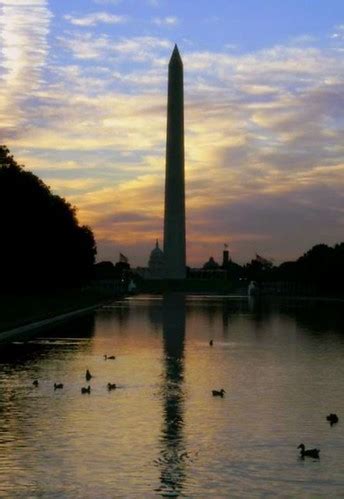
(156, 264)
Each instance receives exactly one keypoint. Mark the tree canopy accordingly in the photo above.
(42, 243)
(322, 267)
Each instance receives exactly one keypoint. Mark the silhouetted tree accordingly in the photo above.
(42, 243)
(104, 270)
(234, 270)
(122, 270)
(258, 270)
(322, 268)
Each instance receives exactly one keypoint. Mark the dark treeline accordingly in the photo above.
(108, 270)
(42, 244)
(322, 267)
(44, 247)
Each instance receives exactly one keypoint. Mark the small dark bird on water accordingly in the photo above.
(35, 383)
(332, 418)
(58, 386)
(111, 386)
(109, 357)
(88, 375)
(218, 393)
(308, 452)
(211, 343)
(86, 390)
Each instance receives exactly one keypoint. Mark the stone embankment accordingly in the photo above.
(34, 327)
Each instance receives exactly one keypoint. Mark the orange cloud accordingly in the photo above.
(263, 131)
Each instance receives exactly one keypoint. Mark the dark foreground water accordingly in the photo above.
(161, 433)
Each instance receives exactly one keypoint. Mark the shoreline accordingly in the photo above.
(20, 310)
(36, 326)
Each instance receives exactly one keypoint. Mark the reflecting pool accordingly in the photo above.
(161, 432)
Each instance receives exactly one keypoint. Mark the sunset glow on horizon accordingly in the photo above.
(83, 106)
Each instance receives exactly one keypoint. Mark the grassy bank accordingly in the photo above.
(20, 309)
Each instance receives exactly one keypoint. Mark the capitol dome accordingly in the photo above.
(211, 264)
(156, 264)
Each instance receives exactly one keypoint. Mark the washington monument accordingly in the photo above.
(174, 223)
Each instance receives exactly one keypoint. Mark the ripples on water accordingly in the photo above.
(161, 433)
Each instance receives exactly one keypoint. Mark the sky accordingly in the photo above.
(83, 105)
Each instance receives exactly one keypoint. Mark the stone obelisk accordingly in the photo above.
(174, 223)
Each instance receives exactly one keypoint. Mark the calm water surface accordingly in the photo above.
(161, 433)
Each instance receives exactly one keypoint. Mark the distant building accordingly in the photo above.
(211, 264)
(156, 265)
(213, 270)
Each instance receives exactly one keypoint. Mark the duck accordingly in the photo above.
(332, 418)
(211, 343)
(35, 383)
(218, 393)
(88, 375)
(111, 386)
(309, 452)
(58, 386)
(109, 357)
(86, 390)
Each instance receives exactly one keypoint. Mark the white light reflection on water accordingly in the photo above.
(161, 432)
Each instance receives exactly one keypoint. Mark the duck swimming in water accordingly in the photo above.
(111, 386)
(218, 393)
(309, 452)
(332, 418)
(88, 375)
(109, 357)
(58, 386)
(35, 383)
(86, 390)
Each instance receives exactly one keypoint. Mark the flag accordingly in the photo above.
(226, 246)
(123, 258)
(262, 260)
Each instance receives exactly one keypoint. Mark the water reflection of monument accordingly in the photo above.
(173, 452)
